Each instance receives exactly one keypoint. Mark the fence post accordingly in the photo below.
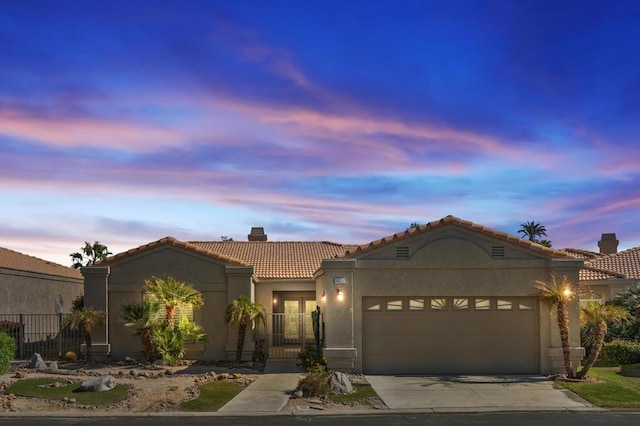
(21, 337)
(60, 335)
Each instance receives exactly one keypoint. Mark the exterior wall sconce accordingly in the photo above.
(340, 295)
(324, 296)
(275, 300)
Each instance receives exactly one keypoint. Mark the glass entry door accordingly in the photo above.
(297, 324)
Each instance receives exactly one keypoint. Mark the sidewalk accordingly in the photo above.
(269, 394)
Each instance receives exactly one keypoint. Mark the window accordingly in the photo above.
(438, 304)
(460, 304)
(394, 305)
(182, 311)
(416, 304)
(373, 305)
(482, 304)
(504, 304)
(525, 305)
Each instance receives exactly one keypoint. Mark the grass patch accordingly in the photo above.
(361, 392)
(31, 388)
(610, 391)
(212, 396)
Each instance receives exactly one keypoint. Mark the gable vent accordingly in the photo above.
(497, 251)
(402, 252)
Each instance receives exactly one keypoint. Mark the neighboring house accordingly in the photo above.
(450, 296)
(608, 272)
(29, 285)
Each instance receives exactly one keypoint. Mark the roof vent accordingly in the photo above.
(257, 234)
(497, 251)
(402, 252)
(608, 244)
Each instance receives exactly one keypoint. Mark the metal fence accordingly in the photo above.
(284, 335)
(45, 334)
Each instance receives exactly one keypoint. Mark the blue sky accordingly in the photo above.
(127, 121)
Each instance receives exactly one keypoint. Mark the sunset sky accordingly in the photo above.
(128, 121)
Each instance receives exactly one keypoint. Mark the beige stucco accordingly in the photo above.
(24, 292)
(108, 288)
(448, 261)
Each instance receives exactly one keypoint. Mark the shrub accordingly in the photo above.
(311, 356)
(7, 351)
(622, 352)
(316, 383)
(71, 356)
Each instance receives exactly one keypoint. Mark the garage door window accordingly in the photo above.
(482, 304)
(394, 305)
(416, 304)
(504, 305)
(460, 304)
(525, 305)
(438, 304)
(373, 304)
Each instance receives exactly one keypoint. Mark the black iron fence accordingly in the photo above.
(45, 334)
(284, 335)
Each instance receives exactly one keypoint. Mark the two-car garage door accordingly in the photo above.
(450, 335)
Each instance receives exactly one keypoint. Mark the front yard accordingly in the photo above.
(606, 388)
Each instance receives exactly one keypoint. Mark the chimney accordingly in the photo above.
(257, 234)
(608, 244)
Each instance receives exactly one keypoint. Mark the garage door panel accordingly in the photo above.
(450, 342)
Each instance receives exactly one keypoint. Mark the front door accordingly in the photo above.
(292, 318)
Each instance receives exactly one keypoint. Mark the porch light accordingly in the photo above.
(567, 292)
(275, 300)
(340, 295)
(324, 296)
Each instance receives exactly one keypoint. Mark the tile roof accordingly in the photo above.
(589, 273)
(278, 259)
(170, 241)
(625, 262)
(14, 260)
(581, 254)
(452, 220)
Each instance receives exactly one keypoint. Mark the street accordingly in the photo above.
(457, 419)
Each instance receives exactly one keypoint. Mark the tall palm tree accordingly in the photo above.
(84, 319)
(243, 312)
(533, 231)
(141, 315)
(596, 317)
(89, 254)
(559, 295)
(172, 293)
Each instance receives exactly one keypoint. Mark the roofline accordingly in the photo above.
(170, 241)
(452, 220)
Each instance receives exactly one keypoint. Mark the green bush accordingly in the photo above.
(622, 352)
(7, 351)
(311, 356)
(316, 383)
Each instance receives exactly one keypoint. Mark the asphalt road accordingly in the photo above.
(484, 419)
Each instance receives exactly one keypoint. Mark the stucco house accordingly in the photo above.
(29, 285)
(450, 296)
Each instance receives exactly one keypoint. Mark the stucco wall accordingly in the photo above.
(210, 277)
(30, 293)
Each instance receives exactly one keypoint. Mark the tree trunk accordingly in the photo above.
(87, 342)
(599, 333)
(170, 315)
(145, 333)
(563, 325)
(242, 330)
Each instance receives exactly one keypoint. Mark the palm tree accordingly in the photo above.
(559, 295)
(141, 315)
(533, 231)
(241, 312)
(89, 254)
(172, 294)
(596, 317)
(84, 319)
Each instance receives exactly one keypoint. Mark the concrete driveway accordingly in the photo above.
(474, 393)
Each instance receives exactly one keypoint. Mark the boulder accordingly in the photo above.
(340, 383)
(37, 362)
(53, 366)
(98, 384)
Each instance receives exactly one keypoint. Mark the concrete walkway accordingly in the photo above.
(474, 393)
(269, 394)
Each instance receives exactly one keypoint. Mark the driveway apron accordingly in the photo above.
(474, 393)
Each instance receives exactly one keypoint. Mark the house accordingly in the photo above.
(608, 272)
(29, 285)
(450, 296)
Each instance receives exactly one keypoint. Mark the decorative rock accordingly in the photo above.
(72, 400)
(298, 394)
(99, 384)
(21, 374)
(53, 366)
(340, 383)
(37, 362)
(223, 376)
